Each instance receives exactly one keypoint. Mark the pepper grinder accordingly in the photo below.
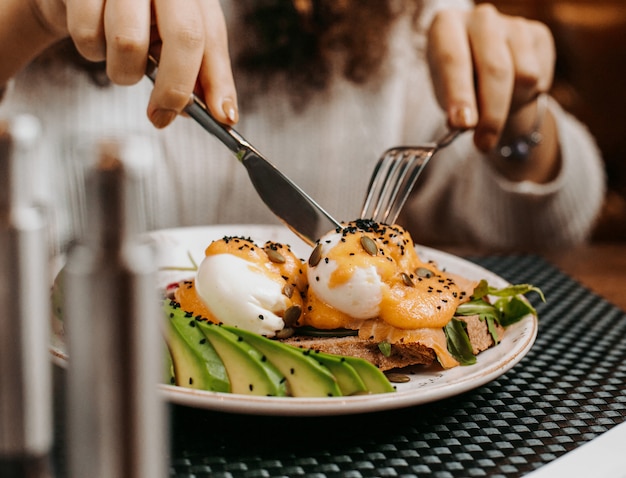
(115, 415)
(25, 367)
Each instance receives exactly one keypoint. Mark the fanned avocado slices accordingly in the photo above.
(305, 376)
(194, 360)
(249, 371)
(221, 358)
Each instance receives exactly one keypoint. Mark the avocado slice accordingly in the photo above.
(350, 382)
(249, 371)
(168, 367)
(305, 376)
(195, 362)
(375, 380)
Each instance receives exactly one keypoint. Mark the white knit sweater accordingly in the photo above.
(329, 149)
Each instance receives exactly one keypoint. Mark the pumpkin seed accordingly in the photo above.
(395, 377)
(369, 245)
(292, 314)
(406, 279)
(275, 256)
(316, 256)
(423, 272)
(288, 290)
(285, 333)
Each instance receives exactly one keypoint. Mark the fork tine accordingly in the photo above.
(388, 168)
(394, 177)
(401, 164)
(416, 163)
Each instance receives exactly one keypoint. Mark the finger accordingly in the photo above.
(127, 33)
(532, 64)
(216, 78)
(452, 69)
(181, 30)
(494, 71)
(544, 45)
(86, 27)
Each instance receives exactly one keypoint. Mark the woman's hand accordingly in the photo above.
(488, 70)
(188, 36)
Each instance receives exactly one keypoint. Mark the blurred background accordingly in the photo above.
(590, 38)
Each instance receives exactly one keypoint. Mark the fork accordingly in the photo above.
(394, 177)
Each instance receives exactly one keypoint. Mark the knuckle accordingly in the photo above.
(128, 42)
(497, 71)
(173, 98)
(89, 42)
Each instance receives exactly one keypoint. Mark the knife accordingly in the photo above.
(287, 200)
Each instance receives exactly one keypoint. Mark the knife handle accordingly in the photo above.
(200, 113)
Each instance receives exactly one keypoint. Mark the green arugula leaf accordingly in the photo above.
(513, 310)
(458, 342)
(481, 290)
(491, 327)
(514, 290)
(385, 348)
(478, 307)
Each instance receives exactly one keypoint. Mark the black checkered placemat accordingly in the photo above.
(570, 388)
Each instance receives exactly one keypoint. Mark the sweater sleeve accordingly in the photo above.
(467, 202)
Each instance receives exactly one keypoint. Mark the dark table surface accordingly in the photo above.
(570, 388)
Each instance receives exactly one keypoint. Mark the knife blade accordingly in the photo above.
(295, 208)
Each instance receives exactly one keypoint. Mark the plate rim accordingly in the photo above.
(323, 406)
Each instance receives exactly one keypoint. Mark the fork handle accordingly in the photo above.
(200, 113)
(446, 139)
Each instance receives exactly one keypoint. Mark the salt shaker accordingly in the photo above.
(25, 367)
(116, 420)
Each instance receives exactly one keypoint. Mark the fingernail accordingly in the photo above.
(161, 118)
(230, 110)
(462, 117)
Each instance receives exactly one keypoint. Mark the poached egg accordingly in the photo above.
(243, 285)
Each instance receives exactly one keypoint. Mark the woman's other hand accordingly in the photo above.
(488, 70)
(188, 36)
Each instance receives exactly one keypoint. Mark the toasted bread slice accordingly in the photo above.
(401, 355)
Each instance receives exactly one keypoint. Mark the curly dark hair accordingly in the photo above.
(301, 42)
(293, 44)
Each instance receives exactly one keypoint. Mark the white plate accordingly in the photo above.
(429, 385)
